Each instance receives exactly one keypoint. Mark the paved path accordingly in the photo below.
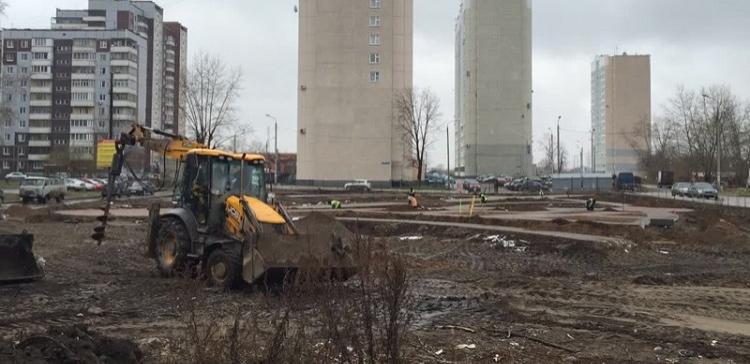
(498, 228)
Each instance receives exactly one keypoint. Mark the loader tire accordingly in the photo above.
(224, 267)
(171, 247)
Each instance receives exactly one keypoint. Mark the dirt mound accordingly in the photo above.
(585, 252)
(74, 344)
(560, 221)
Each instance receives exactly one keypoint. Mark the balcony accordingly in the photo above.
(83, 76)
(41, 76)
(40, 143)
(123, 117)
(40, 89)
(125, 90)
(41, 62)
(170, 69)
(82, 103)
(40, 130)
(124, 103)
(83, 63)
(40, 103)
(125, 76)
(68, 26)
(38, 157)
(123, 49)
(94, 18)
(124, 63)
(46, 116)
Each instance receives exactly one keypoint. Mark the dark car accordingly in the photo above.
(140, 188)
(472, 185)
(703, 190)
(532, 185)
(680, 189)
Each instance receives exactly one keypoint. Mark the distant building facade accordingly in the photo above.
(493, 129)
(89, 77)
(620, 111)
(354, 58)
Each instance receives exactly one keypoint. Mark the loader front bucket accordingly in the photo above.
(323, 245)
(17, 261)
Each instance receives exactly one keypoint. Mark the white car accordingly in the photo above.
(41, 189)
(15, 176)
(74, 184)
(358, 185)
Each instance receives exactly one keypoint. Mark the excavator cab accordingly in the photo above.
(222, 223)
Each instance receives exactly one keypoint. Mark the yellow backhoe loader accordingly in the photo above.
(222, 224)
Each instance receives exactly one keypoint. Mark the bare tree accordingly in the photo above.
(418, 111)
(3, 6)
(549, 150)
(211, 90)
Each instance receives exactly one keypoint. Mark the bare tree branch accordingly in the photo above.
(211, 90)
(418, 111)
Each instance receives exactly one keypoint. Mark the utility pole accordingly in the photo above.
(581, 160)
(593, 151)
(448, 149)
(276, 148)
(559, 161)
(552, 154)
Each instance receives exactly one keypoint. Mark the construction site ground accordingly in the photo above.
(523, 279)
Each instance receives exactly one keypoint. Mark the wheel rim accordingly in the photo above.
(168, 250)
(219, 271)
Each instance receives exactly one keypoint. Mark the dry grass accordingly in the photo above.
(312, 318)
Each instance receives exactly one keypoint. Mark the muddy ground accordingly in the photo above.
(666, 295)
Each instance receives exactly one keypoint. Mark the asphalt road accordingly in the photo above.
(723, 200)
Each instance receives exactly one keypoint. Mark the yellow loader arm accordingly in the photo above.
(171, 145)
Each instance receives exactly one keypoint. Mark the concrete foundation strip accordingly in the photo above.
(498, 228)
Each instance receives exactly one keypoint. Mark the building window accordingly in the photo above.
(7, 136)
(374, 58)
(24, 56)
(21, 123)
(104, 70)
(7, 123)
(374, 4)
(102, 44)
(23, 83)
(104, 84)
(102, 97)
(23, 97)
(102, 57)
(374, 39)
(10, 44)
(22, 110)
(24, 44)
(41, 55)
(9, 57)
(374, 76)
(9, 69)
(40, 42)
(374, 20)
(24, 69)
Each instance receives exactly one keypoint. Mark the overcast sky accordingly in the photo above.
(691, 43)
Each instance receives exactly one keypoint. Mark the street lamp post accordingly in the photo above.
(276, 148)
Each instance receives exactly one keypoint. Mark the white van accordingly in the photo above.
(42, 189)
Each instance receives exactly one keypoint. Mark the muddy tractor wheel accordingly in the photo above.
(171, 247)
(224, 267)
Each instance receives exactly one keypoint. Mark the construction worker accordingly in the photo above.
(591, 204)
(335, 204)
(412, 198)
(482, 198)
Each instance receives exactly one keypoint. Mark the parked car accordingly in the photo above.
(139, 189)
(472, 185)
(680, 189)
(74, 184)
(703, 190)
(42, 189)
(515, 184)
(98, 186)
(120, 188)
(532, 185)
(17, 176)
(361, 185)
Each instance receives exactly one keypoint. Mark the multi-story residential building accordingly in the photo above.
(620, 111)
(89, 77)
(493, 88)
(354, 58)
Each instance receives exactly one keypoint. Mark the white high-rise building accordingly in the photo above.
(493, 88)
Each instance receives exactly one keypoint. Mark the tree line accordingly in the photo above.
(697, 130)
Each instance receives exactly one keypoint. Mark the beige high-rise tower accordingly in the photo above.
(493, 88)
(620, 110)
(354, 57)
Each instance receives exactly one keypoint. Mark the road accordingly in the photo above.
(723, 200)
